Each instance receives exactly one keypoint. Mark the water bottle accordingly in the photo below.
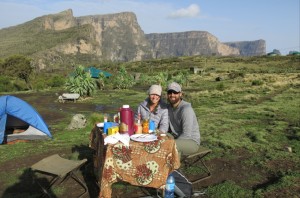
(170, 187)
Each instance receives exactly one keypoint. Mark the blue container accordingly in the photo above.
(108, 125)
(151, 126)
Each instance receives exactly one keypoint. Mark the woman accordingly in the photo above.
(155, 109)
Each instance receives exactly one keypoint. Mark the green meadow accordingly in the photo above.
(249, 114)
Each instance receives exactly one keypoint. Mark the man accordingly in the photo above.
(183, 121)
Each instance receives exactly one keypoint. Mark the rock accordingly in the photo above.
(289, 149)
(78, 122)
(218, 78)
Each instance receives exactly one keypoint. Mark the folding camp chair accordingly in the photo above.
(188, 160)
(59, 169)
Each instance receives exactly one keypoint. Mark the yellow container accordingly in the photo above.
(113, 130)
(145, 126)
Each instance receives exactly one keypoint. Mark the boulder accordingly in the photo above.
(78, 122)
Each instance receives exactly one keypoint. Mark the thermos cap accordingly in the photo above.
(125, 106)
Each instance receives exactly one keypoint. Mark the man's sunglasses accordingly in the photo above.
(172, 92)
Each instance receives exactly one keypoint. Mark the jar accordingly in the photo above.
(145, 126)
(138, 129)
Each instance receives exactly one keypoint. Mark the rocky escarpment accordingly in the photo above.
(115, 37)
(56, 40)
(250, 48)
(60, 21)
(188, 44)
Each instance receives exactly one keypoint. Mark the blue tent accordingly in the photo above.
(18, 114)
(95, 72)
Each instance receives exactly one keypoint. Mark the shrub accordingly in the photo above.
(221, 87)
(257, 82)
(235, 74)
(81, 83)
(123, 80)
(56, 81)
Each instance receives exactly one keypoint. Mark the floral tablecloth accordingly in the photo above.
(142, 163)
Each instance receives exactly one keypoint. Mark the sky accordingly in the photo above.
(275, 21)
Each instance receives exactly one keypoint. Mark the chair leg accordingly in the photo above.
(200, 157)
(81, 183)
(45, 190)
(206, 169)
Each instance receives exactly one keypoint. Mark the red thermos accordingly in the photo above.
(127, 120)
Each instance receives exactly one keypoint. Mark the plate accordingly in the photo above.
(143, 137)
(101, 124)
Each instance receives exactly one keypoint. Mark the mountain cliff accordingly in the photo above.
(188, 44)
(61, 39)
(249, 48)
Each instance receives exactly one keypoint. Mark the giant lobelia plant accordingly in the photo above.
(81, 82)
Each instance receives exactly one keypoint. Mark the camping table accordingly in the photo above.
(145, 164)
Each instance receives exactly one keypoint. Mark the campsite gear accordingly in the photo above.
(18, 114)
(127, 119)
(94, 72)
(146, 126)
(123, 128)
(138, 129)
(116, 118)
(170, 187)
(113, 130)
(60, 169)
(151, 126)
(189, 160)
(183, 187)
(68, 96)
(105, 118)
(107, 125)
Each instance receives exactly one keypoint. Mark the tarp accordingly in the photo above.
(95, 72)
(16, 113)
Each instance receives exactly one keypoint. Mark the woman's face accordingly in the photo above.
(154, 98)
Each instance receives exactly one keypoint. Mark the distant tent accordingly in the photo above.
(17, 115)
(95, 72)
(294, 53)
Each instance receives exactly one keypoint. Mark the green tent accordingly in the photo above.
(95, 72)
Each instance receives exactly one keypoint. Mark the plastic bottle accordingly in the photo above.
(105, 118)
(170, 187)
(151, 126)
(138, 126)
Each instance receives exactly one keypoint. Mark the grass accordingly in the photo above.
(228, 189)
(254, 109)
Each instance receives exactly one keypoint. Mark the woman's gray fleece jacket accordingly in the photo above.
(159, 116)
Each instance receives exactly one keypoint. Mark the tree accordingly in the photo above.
(19, 66)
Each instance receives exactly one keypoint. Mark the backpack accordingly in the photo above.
(183, 188)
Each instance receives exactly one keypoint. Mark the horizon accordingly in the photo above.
(276, 22)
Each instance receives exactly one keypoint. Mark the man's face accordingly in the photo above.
(174, 97)
(154, 98)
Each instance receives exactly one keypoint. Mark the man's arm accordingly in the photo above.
(187, 122)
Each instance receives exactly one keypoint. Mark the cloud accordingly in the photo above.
(192, 11)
